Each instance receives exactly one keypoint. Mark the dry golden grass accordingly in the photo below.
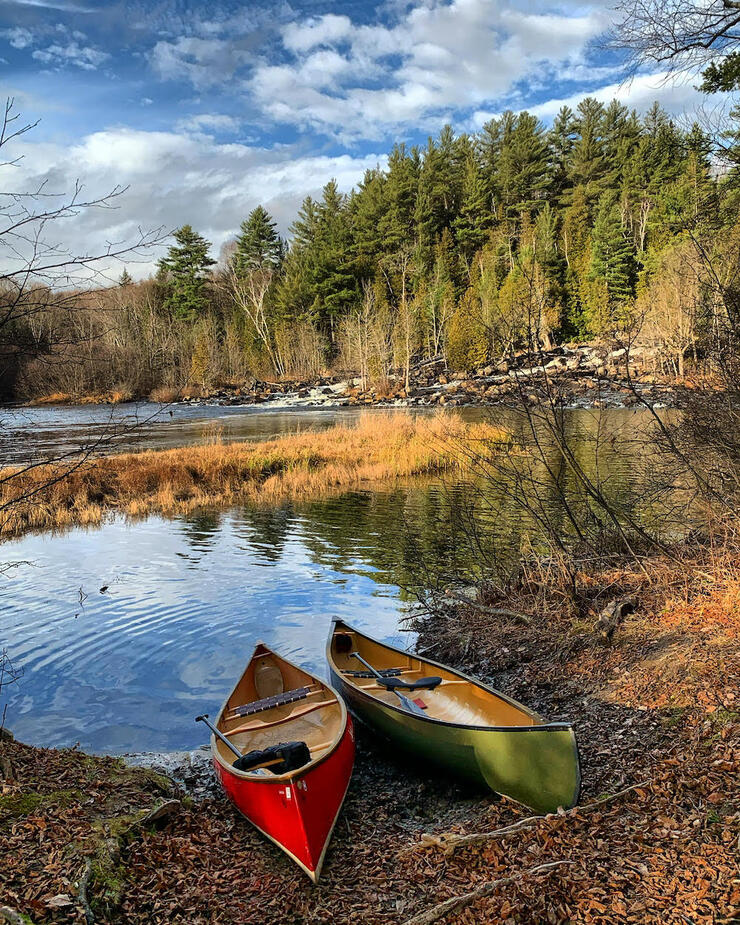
(113, 397)
(379, 447)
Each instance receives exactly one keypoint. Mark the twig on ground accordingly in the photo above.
(82, 893)
(490, 611)
(485, 889)
(449, 841)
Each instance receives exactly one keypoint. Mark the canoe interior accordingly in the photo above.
(318, 719)
(456, 700)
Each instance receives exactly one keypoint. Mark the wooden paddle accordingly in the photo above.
(408, 704)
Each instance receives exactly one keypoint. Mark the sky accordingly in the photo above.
(204, 109)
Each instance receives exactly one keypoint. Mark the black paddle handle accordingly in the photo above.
(367, 665)
(204, 719)
(409, 704)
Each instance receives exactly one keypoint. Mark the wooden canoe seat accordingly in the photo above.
(386, 672)
(267, 703)
(258, 727)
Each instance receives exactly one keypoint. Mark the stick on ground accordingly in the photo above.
(485, 889)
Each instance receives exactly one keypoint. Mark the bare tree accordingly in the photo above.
(678, 34)
(41, 278)
(249, 291)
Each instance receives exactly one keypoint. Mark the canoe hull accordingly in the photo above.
(299, 814)
(516, 753)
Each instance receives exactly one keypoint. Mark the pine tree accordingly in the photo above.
(612, 258)
(523, 166)
(474, 218)
(334, 282)
(588, 153)
(185, 269)
(259, 246)
(125, 279)
(561, 140)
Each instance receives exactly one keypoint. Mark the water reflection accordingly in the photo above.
(186, 599)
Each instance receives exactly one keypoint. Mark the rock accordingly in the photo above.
(468, 592)
(193, 771)
(611, 616)
(161, 814)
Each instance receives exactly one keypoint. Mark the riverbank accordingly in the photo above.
(378, 447)
(582, 375)
(653, 697)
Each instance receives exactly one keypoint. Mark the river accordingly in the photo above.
(126, 631)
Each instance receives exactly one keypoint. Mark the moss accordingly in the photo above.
(16, 805)
(141, 777)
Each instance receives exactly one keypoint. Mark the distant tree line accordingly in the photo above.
(471, 247)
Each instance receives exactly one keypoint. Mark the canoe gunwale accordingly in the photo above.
(289, 776)
(540, 726)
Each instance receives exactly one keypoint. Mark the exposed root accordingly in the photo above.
(82, 893)
(449, 841)
(485, 889)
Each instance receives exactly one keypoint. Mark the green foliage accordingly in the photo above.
(612, 258)
(467, 339)
(184, 273)
(259, 246)
(486, 240)
(722, 76)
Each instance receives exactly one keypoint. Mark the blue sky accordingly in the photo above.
(206, 109)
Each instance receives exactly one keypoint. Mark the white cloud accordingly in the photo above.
(49, 5)
(324, 30)
(675, 93)
(437, 57)
(176, 178)
(203, 62)
(19, 37)
(84, 57)
(205, 122)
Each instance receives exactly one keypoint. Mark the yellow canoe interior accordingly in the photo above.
(318, 719)
(457, 699)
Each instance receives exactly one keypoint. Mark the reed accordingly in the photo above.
(377, 448)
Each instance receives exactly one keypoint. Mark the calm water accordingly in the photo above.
(127, 668)
(31, 433)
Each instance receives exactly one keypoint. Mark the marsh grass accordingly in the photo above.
(377, 448)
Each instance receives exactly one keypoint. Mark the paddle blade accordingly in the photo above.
(409, 704)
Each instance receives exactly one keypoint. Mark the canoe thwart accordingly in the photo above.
(254, 727)
(386, 672)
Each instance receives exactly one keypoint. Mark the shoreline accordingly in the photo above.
(653, 839)
(584, 376)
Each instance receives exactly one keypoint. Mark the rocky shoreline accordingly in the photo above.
(580, 375)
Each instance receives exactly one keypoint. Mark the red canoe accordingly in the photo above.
(299, 746)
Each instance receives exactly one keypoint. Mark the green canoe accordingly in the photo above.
(456, 723)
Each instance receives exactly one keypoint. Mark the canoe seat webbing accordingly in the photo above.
(386, 672)
(257, 706)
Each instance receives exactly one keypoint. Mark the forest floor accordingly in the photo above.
(655, 838)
